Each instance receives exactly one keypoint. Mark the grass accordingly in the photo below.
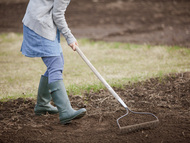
(118, 63)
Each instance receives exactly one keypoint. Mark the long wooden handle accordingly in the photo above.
(110, 89)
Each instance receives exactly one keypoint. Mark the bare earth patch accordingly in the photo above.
(168, 98)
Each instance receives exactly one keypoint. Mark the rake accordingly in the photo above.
(129, 128)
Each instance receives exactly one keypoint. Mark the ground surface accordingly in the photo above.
(168, 99)
(134, 21)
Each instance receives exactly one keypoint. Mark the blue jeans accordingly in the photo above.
(54, 66)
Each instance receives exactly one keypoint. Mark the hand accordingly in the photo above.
(73, 45)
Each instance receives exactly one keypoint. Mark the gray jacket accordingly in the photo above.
(45, 16)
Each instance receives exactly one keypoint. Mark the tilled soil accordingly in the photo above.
(157, 22)
(168, 98)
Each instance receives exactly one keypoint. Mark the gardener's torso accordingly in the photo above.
(40, 15)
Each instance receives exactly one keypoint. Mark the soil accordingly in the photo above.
(156, 22)
(167, 98)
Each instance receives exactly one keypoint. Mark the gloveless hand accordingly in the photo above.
(73, 45)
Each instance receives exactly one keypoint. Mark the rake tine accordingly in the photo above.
(140, 126)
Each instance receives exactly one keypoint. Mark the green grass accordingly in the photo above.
(118, 63)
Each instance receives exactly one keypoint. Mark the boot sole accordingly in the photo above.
(68, 121)
(40, 113)
(44, 113)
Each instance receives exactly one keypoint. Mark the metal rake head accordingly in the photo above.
(140, 126)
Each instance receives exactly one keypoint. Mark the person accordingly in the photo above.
(43, 22)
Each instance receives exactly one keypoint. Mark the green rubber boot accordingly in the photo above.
(61, 100)
(43, 99)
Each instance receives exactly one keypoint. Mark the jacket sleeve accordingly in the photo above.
(59, 9)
